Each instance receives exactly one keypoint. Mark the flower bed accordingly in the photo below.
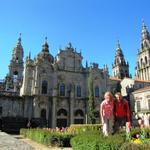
(58, 137)
(90, 137)
(140, 136)
(80, 128)
(137, 139)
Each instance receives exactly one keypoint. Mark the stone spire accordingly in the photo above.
(19, 40)
(120, 67)
(18, 50)
(44, 54)
(143, 56)
(145, 38)
(119, 57)
(29, 55)
(145, 33)
(86, 64)
(118, 44)
(45, 46)
(16, 65)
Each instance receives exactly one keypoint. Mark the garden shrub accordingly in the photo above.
(97, 142)
(47, 137)
(135, 131)
(89, 137)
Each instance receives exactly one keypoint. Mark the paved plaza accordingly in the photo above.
(17, 142)
(8, 142)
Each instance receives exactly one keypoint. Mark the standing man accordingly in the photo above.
(121, 111)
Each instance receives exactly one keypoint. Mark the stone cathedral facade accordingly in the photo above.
(55, 89)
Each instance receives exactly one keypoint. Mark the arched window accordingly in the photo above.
(44, 87)
(62, 119)
(62, 112)
(78, 116)
(79, 112)
(96, 91)
(15, 76)
(62, 89)
(78, 91)
(138, 65)
(138, 106)
(17, 60)
(126, 73)
(141, 61)
(145, 60)
(43, 113)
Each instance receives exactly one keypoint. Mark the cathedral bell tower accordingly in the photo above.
(143, 56)
(15, 74)
(120, 67)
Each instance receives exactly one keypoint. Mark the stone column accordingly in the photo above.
(141, 74)
(36, 87)
(148, 71)
(54, 117)
(72, 99)
(54, 103)
(50, 119)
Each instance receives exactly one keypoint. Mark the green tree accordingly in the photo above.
(91, 103)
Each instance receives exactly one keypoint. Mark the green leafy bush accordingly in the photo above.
(48, 137)
(135, 131)
(97, 142)
(90, 137)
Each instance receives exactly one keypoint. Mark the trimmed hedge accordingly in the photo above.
(89, 137)
(59, 138)
(48, 137)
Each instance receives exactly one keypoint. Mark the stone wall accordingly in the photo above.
(11, 105)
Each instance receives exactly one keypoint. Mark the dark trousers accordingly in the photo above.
(120, 122)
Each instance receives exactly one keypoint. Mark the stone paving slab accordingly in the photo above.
(38, 146)
(8, 142)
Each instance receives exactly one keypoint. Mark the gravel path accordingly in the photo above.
(8, 142)
(17, 142)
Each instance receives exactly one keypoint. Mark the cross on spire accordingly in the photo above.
(19, 39)
(118, 44)
(46, 39)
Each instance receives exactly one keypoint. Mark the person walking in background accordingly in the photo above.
(121, 111)
(29, 124)
(146, 120)
(107, 113)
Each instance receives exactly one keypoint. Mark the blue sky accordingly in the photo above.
(93, 26)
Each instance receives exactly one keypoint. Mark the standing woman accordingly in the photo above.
(107, 113)
(122, 112)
